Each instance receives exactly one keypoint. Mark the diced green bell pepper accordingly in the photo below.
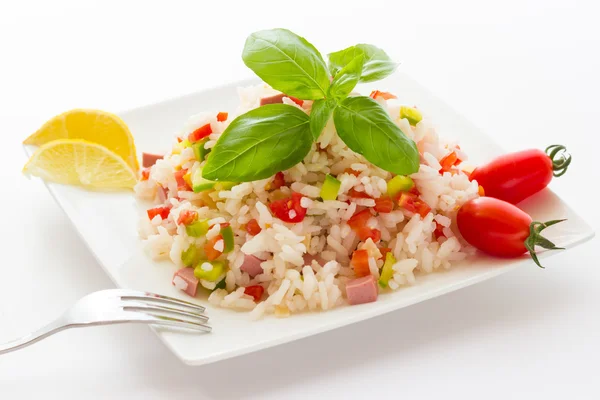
(197, 229)
(218, 268)
(188, 257)
(227, 234)
(199, 184)
(387, 272)
(411, 114)
(399, 183)
(220, 285)
(330, 188)
(224, 185)
(199, 151)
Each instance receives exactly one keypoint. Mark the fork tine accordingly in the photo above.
(175, 322)
(160, 310)
(152, 297)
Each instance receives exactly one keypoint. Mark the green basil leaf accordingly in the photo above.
(347, 78)
(367, 129)
(377, 63)
(319, 115)
(287, 62)
(260, 143)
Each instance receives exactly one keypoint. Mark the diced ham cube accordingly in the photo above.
(362, 290)
(278, 98)
(149, 159)
(251, 265)
(308, 259)
(185, 280)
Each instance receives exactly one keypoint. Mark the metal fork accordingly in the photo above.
(118, 306)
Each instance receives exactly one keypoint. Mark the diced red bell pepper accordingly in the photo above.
(384, 95)
(384, 204)
(200, 133)
(252, 227)
(352, 171)
(439, 231)
(209, 248)
(255, 291)
(412, 203)
(384, 251)
(297, 101)
(187, 217)
(359, 195)
(359, 220)
(145, 174)
(449, 161)
(282, 209)
(278, 181)
(360, 263)
(366, 233)
(222, 116)
(181, 183)
(162, 211)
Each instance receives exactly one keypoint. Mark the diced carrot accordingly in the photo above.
(187, 217)
(369, 233)
(384, 204)
(360, 263)
(209, 248)
(252, 227)
(359, 219)
(222, 116)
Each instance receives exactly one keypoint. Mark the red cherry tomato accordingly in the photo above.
(412, 203)
(501, 229)
(289, 209)
(516, 176)
(255, 291)
(278, 181)
(358, 223)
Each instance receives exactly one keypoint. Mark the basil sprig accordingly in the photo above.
(275, 137)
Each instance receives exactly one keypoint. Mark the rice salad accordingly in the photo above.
(307, 265)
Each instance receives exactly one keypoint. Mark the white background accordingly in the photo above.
(524, 71)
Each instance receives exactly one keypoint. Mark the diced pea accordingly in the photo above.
(189, 256)
(227, 234)
(411, 114)
(387, 272)
(197, 229)
(330, 188)
(399, 183)
(199, 151)
(199, 184)
(218, 268)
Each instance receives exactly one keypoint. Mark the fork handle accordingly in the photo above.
(34, 337)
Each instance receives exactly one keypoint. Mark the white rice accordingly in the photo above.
(291, 285)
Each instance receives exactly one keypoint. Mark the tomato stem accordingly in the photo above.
(560, 159)
(536, 239)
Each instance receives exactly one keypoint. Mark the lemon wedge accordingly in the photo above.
(95, 126)
(82, 163)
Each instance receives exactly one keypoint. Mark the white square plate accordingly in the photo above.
(107, 222)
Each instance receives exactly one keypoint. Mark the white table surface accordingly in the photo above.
(527, 72)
